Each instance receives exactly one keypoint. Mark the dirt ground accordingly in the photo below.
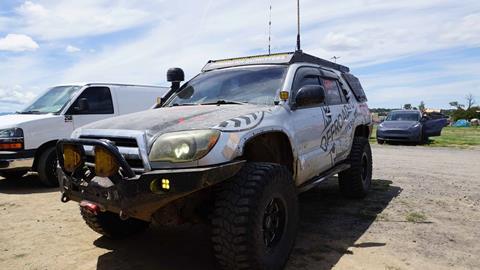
(423, 213)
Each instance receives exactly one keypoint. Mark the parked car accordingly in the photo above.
(233, 146)
(28, 138)
(409, 126)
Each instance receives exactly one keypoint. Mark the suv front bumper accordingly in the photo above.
(141, 195)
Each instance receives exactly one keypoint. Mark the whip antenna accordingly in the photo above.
(270, 29)
(298, 26)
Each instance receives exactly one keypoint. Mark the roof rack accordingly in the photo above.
(276, 59)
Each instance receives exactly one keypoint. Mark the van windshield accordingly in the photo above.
(256, 85)
(52, 101)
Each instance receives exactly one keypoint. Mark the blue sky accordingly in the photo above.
(403, 51)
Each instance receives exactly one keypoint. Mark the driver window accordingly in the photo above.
(99, 101)
(305, 76)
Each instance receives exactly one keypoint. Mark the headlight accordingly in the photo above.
(183, 146)
(11, 133)
(11, 139)
(380, 125)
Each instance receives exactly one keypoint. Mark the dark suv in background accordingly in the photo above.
(409, 126)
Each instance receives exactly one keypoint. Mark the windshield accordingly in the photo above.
(53, 100)
(257, 85)
(403, 116)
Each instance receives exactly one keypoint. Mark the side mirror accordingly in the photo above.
(310, 95)
(82, 105)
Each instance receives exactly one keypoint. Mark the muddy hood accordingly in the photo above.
(170, 119)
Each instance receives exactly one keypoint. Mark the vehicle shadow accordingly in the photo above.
(329, 225)
(24, 185)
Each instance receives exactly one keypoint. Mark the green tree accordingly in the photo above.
(407, 106)
(421, 107)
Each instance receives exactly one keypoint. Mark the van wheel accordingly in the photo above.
(255, 218)
(47, 167)
(110, 224)
(355, 182)
(380, 141)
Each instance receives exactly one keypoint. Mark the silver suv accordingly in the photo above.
(233, 146)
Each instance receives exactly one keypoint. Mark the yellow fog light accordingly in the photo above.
(105, 163)
(72, 157)
(165, 184)
(155, 186)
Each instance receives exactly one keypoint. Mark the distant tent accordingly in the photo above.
(461, 123)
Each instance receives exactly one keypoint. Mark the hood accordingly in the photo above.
(169, 119)
(16, 120)
(398, 124)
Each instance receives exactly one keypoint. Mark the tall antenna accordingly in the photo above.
(270, 28)
(298, 26)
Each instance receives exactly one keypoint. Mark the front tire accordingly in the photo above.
(47, 168)
(356, 181)
(255, 220)
(380, 141)
(110, 224)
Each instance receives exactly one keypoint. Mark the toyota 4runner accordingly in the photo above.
(233, 146)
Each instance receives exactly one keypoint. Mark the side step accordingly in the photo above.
(322, 177)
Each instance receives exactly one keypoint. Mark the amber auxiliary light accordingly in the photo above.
(105, 163)
(72, 157)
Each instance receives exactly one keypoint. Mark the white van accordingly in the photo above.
(28, 138)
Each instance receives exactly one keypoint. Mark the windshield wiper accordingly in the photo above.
(184, 104)
(224, 102)
(29, 112)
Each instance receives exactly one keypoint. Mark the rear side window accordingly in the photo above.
(332, 92)
(99, 101)
(356, 87)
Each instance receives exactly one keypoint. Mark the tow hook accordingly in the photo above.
(90, 207)
(123, 215)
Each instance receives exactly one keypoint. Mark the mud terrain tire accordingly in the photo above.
(110, 224)
(255, 219)
(356, 181)
(47, 168)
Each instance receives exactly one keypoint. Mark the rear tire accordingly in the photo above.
(255, 220)
(110, 224)
(47, 167)
(380, 141)
(356, 181)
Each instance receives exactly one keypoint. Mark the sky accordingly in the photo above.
(403, 51)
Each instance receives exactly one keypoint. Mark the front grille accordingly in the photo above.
(400, 132)
(120, 142)
(127, 144)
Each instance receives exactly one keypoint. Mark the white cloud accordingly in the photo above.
(15, 98)
(72, 49)
(70, 19)
(17, 43)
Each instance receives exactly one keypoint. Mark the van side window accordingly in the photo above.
(99, 101)
(333, 94)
